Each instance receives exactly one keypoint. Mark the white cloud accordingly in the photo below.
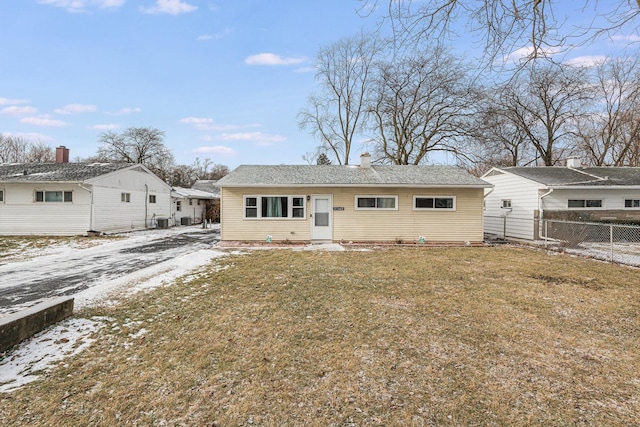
(82, 5)
(202, 123)
(32, 136)
(257, 138)
(110, 126)
(14, 110)
(7, 101)
(587, 61)
(305, 70)
(43, 121)
(124, 111)
(631, 38)
(216, 149)
(525, 52)
(216, 36)
(75, 109)
(171, 7)
(272, 59)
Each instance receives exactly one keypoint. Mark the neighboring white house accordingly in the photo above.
(524, 195)
(189, 205)
(74, 198)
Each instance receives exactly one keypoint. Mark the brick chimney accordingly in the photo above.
(365, 160)
(62, 154)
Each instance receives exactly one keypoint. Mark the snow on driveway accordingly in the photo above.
(82, 271)
(94, 275)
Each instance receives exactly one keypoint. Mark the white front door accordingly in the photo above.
(321, 217)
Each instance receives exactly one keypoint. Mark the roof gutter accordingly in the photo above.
(476, 186)
(596, 187)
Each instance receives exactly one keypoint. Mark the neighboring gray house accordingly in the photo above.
(74, 198)
(528, 194)
(351, 203)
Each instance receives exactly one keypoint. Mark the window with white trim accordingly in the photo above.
(272, 207)
(584, 203)
(178, 206)
(506, 204)
(377, 203)
(125, 197)
(152, 198)
(190, 202)
(440, 203)
(54, 196)
(632, 203)
(1, 195)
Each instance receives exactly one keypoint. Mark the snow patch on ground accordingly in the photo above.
(41, 353)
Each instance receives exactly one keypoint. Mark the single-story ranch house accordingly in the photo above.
(363, 203)
(74, 198)
(527, 194)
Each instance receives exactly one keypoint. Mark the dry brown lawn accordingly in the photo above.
(397, 337)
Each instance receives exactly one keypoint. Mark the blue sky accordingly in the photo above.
(224, 80)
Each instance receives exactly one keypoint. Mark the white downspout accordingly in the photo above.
(541, 209)
(91, 206)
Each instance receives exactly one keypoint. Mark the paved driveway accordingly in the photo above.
(26, 283)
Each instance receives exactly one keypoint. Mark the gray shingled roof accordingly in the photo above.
(355, 176)
(56, 172)
(595, 176)
(208, 185)
(193, 193)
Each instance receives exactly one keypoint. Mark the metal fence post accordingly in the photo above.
(611, 240)
(504, 228)
(546, 242)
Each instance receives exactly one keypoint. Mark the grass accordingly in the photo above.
(410, 337)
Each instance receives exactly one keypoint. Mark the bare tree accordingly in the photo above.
(39, 152)
(494, 140)
(15, 149)
(543, 102)
(336, 114)
(142, 145)
(419, 105)
(609, 134)
(504, 26)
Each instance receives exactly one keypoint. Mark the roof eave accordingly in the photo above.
(357, 185)
(595, 187)
(40, 182)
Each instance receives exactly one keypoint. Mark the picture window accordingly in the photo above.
(273, 207)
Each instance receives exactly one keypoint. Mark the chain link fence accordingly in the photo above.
(618, 243)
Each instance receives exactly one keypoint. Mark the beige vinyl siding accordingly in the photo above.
(235, 227)
(463, 224)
